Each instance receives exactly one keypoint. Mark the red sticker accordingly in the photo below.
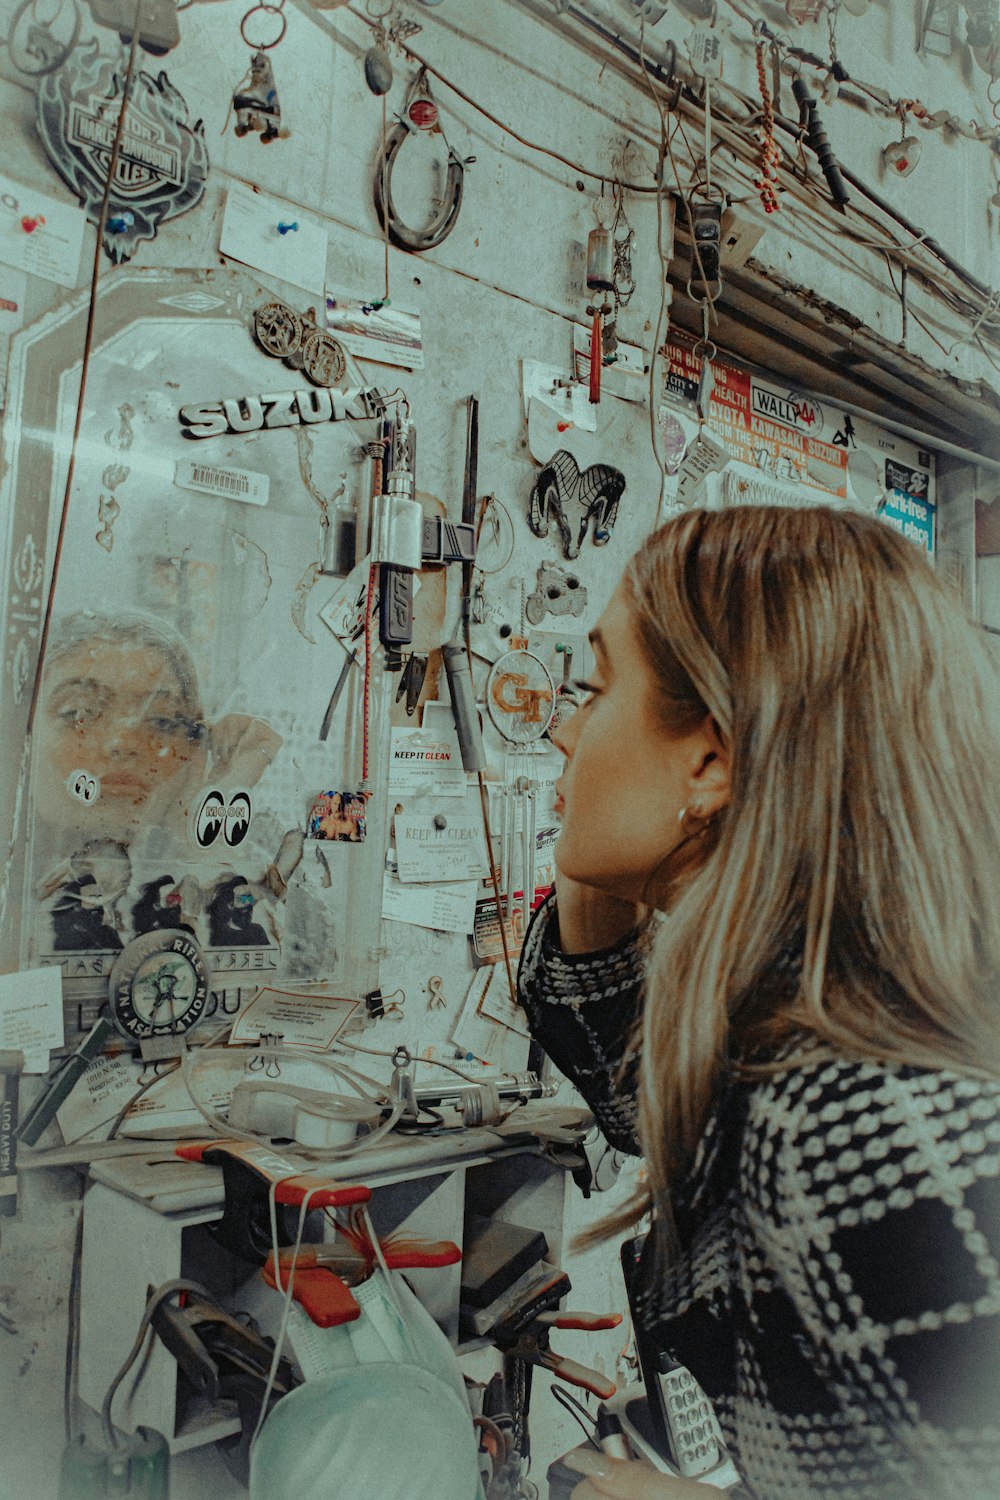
(423, 113)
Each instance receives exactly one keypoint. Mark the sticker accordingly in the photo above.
(344, 614)
(706, 455)
(911, 517)
(222, 814)
(486, 938)
(390, 335)
(440, 846)
(899, 477)
(230, 484)
(53, 247)
(338, 817)
(705, 47)
(83, 786)
(163, 161)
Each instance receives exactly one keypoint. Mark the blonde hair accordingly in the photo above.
(845, 899)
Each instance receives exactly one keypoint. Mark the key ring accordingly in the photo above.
(39, 33)
(271, 10)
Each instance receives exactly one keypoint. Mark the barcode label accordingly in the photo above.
(230, 484)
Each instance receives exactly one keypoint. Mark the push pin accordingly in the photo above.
(287, 228)
(118, 223)
(440, 821)
(31, 222)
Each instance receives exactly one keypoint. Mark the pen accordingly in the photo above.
(611, 1435)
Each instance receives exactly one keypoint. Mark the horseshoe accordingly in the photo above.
(443, 222)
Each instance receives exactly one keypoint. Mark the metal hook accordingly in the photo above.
(672, 82)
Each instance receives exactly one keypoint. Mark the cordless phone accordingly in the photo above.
(688, 1422)
(680, 1414)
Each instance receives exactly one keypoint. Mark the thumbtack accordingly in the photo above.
(440, 821)
(286, 228)
(29, 224)
(118, 223)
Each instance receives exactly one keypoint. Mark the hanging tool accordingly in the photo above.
(463, 705)
(341, 683)
(600, 278)
(469, 485)
(809, 117)
(248, 1172)
(523, 1337)
(506, 834)
(526, 792)
(419, 113)
(411, 681)
(59, 1088)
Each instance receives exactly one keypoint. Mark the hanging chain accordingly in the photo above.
(623, 243)
(770, 152)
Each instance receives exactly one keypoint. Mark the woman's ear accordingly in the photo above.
(710, 782)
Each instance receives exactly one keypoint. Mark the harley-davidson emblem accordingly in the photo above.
(162, 162)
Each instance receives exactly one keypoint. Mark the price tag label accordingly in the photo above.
(706, 455)
(705, 47)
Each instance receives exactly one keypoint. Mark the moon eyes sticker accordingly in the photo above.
(83, 786)
(222, 814)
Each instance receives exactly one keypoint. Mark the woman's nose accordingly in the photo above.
(563, 735)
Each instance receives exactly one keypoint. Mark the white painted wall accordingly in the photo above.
(507, 285)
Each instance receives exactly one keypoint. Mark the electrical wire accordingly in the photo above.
(662, 328)
(481, 109)
(342, 1072)
(575, 1408)
(161, 1293)
(435, 1062)
(287, 1292)
(73, 1328)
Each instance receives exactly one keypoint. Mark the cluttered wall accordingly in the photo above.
(356, 262)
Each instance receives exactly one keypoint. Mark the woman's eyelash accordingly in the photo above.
(579, 686)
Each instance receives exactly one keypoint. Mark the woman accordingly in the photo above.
(792, 745)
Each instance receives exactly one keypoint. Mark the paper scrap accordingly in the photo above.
(300, 1018)
(50, 249)
(344, 612)
(440, 845)
(446, 908)
(167, 1110)
(31, 1015)
(250, 235)
(13, 290)
(386, 334)
(421, 761)
(489, 1041)
(557, 390)
(101, 1092)
(497, 1004)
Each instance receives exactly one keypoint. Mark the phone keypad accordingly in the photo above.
(693, 1425)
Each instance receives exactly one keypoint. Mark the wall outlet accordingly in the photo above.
(741, 233)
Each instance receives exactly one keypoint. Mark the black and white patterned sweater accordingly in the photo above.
(838, 1288)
